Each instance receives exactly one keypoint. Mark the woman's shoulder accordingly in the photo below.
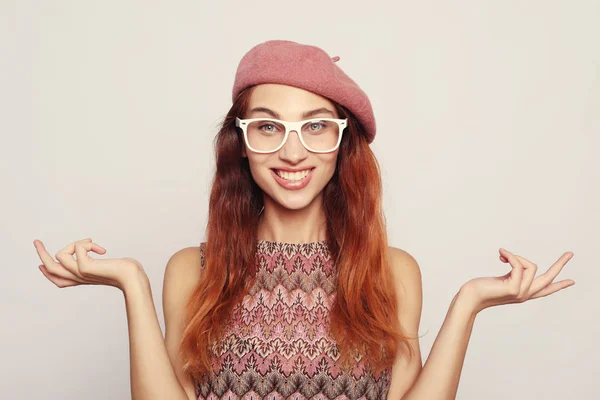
(186, 263)
(405, 268)
(400, 258)
(406, 274)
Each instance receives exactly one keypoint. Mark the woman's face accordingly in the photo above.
(290, 104)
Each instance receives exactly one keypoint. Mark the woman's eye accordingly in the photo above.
(316, 125)
(267, 126)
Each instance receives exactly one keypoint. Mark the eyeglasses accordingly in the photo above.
(266, 135)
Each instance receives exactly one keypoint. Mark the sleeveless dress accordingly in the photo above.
(277, 345)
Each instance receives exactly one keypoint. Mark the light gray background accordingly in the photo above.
(488, 136)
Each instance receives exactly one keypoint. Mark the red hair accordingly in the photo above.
(364, 316)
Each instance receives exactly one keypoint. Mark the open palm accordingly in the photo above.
(73, 266)
(519, 285)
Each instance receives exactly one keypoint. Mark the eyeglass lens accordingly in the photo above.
(265, 135)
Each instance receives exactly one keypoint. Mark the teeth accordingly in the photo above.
(293, 176)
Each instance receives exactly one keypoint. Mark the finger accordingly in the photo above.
(50, 264)
(57, 280)
(87, 266)
(81, 250)
(65, 256)
(516, 275)
(553, 288)
(530, 269)
(96, 248)
(544, 279)
(85, 262)
(43, 253)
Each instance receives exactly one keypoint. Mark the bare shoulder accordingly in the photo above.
(406, 274)
(182, 273)
(186, 263)
(405, 269)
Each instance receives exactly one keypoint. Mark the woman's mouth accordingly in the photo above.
(292, 180)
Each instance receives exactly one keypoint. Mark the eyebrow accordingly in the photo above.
(307, 114)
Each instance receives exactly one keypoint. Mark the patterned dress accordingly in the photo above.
(277, 345)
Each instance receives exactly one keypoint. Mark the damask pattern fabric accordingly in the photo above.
(278, 345)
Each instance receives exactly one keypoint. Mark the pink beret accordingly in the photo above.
(306, 67)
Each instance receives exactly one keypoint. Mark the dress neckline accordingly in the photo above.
(271, 242)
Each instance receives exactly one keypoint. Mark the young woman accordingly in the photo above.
(295, 293)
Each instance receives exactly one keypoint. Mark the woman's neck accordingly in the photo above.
(280, 224)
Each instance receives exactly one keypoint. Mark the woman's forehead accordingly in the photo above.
(286, 99)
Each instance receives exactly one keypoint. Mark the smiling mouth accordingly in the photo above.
(292, 176)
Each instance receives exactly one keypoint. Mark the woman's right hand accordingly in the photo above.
(85, 270)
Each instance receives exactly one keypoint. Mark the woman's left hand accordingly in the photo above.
(518, 286)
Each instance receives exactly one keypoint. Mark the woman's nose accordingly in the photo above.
(293, 150)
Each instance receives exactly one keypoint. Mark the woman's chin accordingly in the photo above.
(293, 201)
(294, 204)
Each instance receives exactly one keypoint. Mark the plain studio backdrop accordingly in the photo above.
(488, 119)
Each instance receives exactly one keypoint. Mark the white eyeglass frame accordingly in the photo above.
(291, 126)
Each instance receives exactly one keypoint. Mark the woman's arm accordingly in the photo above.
(152, 374)
(439, 377)
(441, 373)
(181, 277)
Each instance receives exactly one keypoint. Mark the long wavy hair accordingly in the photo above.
(363, 320)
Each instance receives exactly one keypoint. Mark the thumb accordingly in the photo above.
(81, 250)
(516, 274)
(96, 248)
